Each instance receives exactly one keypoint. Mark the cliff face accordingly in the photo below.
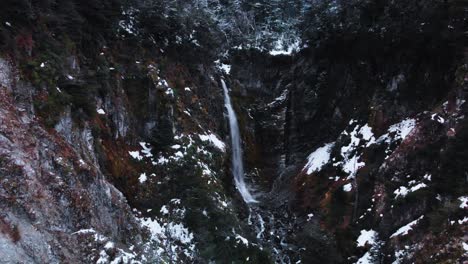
(355, 136)
(56, 203)
(114, 146)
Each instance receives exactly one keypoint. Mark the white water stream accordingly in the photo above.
(237, 162)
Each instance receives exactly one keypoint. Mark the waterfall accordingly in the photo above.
(237, 162)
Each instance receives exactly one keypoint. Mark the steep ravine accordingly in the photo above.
(344, 139)
(351, 156)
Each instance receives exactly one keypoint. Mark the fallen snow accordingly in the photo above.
(437, 118)
(101, 111)
(464, 202)
(214, 140)
(242, 239)
(280, 98)
(347, 187)
(164, 210)
(136, 155)
(403, 129)
(143, 178)
(403, 191)
(146, 151)
(366, 259)
(318, 158)
(170, 92)
(279, 48)
(361, 135)
(402, 231)
(161, 231)
(367, 237)
(224, 67)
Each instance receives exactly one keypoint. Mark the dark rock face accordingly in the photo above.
(114, 142)
(54, 200)
(372, 177)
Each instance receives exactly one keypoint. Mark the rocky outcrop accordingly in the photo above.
(56, 204)
(354, 143)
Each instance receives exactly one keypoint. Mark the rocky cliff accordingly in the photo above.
(114, 145)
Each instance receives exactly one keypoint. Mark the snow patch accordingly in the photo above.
(243, 240)
(437, 118)
(143, 178)
(136, 155)
(366, 259)
(464, 202)
(214, 140)
(280, 98)
(281, 49)
(403, 231)
(367, 237)
(403, 191)
(347, 187)
(318, 158)
(361, 135)
(402, 129)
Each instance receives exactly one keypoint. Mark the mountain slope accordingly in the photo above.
(114, 142)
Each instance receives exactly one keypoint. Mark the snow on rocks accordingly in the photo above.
(110, 253)
(136, 155)
(400, 131)
(437, 118)
(464, 202)
(318, 158)
(281, 48)
(402, 231)
(146, 149)
(347, 187)
(129, 24)
(172, 238)
(280, 99)
(366, 259)
(142, 178)
(145, 152)
(170, 92)
(223, 67)
(367, 237)
(402, 191)
(360, 135)
(463, 221)
(243, 240)
(360, 138)
(213, 139)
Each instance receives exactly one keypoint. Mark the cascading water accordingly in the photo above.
(270, 231)
(237, 162)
